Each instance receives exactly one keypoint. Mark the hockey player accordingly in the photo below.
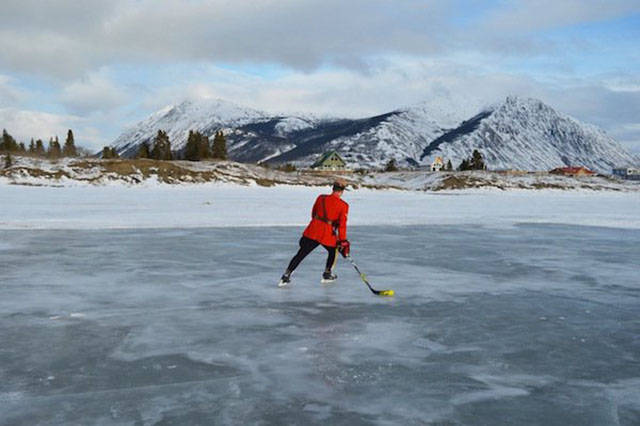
(328, 227)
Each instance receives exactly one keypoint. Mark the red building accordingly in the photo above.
(572, 171)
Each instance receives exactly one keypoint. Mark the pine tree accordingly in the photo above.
(22, 148)
(164, 151)
(168, 155)
(54, 148)
(203, 146)
(8, 143)
(5, 140)
(192, 149)
(8, 162)
(391, 166)
(449, 166)
(161, 147)
(219, 150)
(32, 147)
(143, 151)
(464, 165)
(40, 148)
(157, 149)
(476, 163)
(109, 153)
(69, 149)
(57, 147)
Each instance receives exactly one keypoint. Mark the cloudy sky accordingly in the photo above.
(99, 66)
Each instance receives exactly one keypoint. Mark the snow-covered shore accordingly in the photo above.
(224, 205)
(30, 171)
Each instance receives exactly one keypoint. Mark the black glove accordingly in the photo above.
(344, 247)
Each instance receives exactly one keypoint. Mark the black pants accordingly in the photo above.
(307, 245)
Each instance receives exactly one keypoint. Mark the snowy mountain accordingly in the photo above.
(526, 134)
(255, 136)
(517, 134)
(367, 142)
(204, 115)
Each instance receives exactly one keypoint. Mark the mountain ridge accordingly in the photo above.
(526, 134)
(518, 133)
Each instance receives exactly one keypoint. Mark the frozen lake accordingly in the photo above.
(514, 324)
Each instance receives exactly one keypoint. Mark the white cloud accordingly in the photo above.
(523, 16)
(9, 94)
(67, 38)
(25, 124)
(63, 39)
(622, 82)
(628, 135)
(93, 93)
(48, 54)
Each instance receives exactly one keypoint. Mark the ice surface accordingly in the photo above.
(531, 323)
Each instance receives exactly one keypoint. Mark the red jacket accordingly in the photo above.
(328, 208)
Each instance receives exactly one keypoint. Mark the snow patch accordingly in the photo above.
(156, 205)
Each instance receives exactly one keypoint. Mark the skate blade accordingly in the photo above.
(323, 281)
(283, 284)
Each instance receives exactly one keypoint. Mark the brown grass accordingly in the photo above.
(166, 171)
(463, 182)
(265, 182)
(58, 174)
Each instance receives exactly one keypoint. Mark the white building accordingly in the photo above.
(437, 164)
(627, 173)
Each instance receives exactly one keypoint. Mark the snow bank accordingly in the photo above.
(224, 205)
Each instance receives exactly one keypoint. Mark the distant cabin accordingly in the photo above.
(627, 173)
(330, 161)
(437, 165)
(572, 171)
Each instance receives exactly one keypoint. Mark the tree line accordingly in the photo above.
(54, 150)
(475, 162)
(197, 148)
(8, 144)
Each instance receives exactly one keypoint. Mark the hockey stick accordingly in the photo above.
(363, 277)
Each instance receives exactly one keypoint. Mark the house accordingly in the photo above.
(572, 171)
(627, 173)
(330, 161)
(437, 164)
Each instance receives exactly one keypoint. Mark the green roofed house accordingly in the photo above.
(330, 161)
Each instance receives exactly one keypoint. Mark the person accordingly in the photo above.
(328, 227)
